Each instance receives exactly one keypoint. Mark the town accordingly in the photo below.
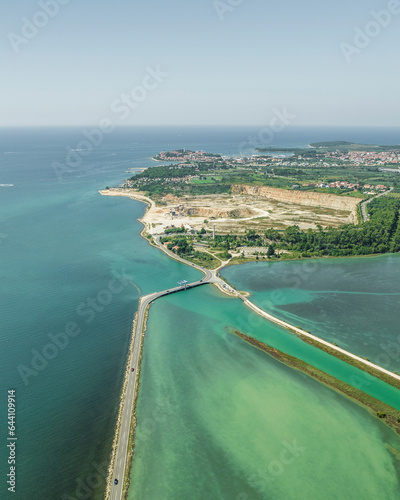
(337, 171)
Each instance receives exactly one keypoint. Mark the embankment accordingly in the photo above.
(390, 415)
(309, 198)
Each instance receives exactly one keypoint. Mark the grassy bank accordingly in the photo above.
(381, 410)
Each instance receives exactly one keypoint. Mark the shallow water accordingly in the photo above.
(218, 418)
(353, 302)
(60, 244)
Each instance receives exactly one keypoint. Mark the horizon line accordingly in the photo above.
(196, 125)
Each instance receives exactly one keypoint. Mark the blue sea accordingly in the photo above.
(72, 269)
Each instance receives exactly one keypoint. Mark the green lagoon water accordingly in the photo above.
(221, 433)
(353, 302)
(219, 419)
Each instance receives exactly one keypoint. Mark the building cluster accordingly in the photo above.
(367, 157)
(340, 185)
(143, 181)
(287, 163)
(187, 156)
(378, 187)
(327, 159)
(346, 185)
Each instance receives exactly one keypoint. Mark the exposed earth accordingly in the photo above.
(250, 207)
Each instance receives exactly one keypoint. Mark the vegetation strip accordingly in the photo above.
(363, 364)
(389, 415)
(351, 361)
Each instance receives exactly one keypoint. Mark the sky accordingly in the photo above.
(199, 62)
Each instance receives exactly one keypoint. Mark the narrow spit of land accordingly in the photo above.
(391, 415)
(121, 458)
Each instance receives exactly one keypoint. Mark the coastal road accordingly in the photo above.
(210, 276)
(126, 417)
(364, 204)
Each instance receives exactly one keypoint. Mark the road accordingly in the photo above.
(364, 204)
(126, 417)
(210, 276)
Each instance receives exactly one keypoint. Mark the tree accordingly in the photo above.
(271, 251)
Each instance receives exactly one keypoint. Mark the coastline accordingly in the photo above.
(367, 366)
(338, 352)
(110, 469)
(151, 206)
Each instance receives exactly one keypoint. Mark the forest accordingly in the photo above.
(380, 234)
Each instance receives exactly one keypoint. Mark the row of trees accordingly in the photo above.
(381, 234)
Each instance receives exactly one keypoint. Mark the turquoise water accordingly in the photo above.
(61, 247)
(353, 302)
(220, 419)
(62, 244)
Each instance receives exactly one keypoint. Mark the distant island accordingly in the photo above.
(330, 146)
(350, 146)
(186, 155)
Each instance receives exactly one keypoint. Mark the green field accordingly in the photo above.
(207, 180)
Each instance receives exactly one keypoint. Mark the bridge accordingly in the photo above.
(210, 276)
(120, 462)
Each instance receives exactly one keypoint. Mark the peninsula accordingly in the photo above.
(209, 207)
(182, 232)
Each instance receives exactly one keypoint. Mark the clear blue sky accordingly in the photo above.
(263, 55)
